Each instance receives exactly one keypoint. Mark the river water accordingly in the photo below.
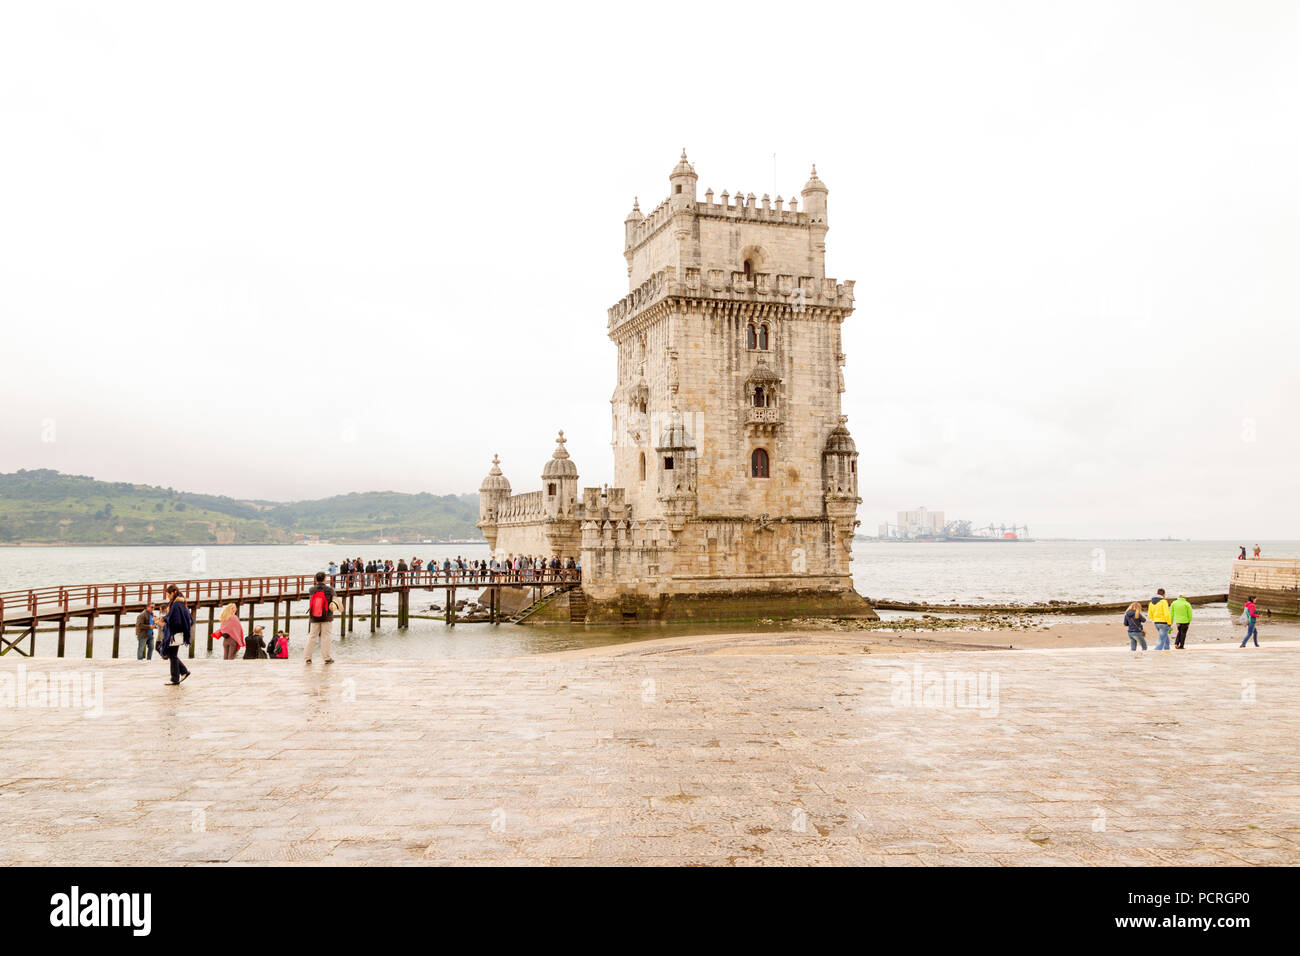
(978, 573)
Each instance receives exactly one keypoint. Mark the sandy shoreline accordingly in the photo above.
(919, 635)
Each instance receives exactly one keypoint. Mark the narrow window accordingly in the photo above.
(550, 489)
(668, 463)
(762, 337)
(751, 337)
(643, 466)
(749, 270)
(853, 467)
(679, 187)
(758, 463)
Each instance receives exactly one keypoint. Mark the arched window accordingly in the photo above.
(751, 337)
(758, 465)
(643, 466)
(762, 337)
(760, 397)
(749, 270)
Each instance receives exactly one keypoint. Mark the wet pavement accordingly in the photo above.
(1091, 756)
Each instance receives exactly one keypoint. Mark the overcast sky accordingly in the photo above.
(286, 250)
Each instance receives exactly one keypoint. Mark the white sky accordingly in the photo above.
(289, 250)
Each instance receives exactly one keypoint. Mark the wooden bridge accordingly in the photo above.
(21, 612)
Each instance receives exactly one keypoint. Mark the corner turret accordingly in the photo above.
(492, 494)
(682, 182)
(560, 482)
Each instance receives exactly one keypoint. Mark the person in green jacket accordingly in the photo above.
(1181, 611)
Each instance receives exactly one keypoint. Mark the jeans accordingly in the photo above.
(143, 648)
(1133, 640)
(173, 654)
(1251, 632)
(1162, 633)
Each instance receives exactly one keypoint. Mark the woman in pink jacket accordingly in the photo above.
(231, 632)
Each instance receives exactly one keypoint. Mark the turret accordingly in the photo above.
(840, 463)
(682, 183)
(814, 194)
(814, 207)
(840, 487)
(634, 219)
(560, 482)
(676, 473)
(492, 494)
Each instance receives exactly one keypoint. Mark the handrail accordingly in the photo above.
(85, 597)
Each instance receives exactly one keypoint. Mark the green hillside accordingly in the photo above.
(47, 507)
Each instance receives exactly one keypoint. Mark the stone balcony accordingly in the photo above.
(763, 421)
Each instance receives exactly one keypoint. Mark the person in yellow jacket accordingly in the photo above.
(1158, 612)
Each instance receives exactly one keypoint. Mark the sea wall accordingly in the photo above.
(1275, 582)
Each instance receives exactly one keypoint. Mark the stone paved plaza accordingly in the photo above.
(1073, 756)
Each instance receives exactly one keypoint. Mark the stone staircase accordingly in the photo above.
(526, 612)
(577, 606)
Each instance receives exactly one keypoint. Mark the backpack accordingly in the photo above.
(319, 603)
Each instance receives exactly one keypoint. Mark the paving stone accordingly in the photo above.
(739, 760)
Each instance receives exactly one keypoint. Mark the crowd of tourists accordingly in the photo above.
(1176, 617)
(358, 573)
(169, 627)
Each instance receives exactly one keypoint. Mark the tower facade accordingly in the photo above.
(736, 478)
(735, 464)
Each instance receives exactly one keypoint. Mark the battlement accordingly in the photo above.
(740, 207)
(799, 292)
(526, 506)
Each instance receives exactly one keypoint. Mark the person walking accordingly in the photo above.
(1257, 552)
(144, 633)
(1133, 620)
(320, 618)
(231, 631)
(1181, 612)
(178, 630)
(1252, 621)
(1158, 613)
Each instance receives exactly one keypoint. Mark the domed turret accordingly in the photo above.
(814, 197)
(560, 482)
(634, 219)
(495, 481)
(492, 494)
(840, 464)
(840, 442)
(682, 182)
(560, 465)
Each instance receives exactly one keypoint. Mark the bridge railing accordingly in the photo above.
(84, 598)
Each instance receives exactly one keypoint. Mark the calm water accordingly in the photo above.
(975, 573)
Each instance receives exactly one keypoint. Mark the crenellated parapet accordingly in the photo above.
(799, 293)
(524, 507)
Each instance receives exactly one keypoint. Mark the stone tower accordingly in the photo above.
(736, 479)
(735, 464)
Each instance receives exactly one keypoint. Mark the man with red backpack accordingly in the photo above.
(320, 618)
